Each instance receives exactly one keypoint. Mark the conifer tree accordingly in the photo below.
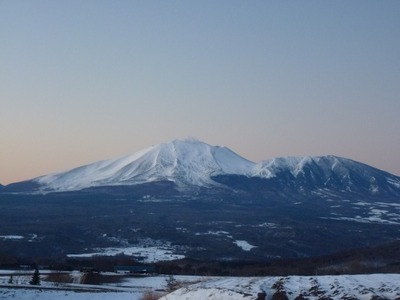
(35, 278)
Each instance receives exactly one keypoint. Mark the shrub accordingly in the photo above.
(173, 284)
(150, 295)
(59, 277)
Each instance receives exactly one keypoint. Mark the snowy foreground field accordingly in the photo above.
(368, 287)
(377, 286)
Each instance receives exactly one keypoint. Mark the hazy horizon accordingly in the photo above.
(82, 81)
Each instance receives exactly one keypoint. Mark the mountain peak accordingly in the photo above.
(183, 161)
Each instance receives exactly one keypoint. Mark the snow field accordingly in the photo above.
(362, 287)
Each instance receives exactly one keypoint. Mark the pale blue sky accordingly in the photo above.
(87, 80)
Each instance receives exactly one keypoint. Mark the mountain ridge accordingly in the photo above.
(190, 162)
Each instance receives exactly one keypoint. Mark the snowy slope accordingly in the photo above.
(186, 161)
(329, 172)
(324, 165)
(375, 286)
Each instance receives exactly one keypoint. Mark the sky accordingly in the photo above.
(82, 81)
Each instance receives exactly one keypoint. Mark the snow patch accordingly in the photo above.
(148, 251)
(244, 245)
(11, 237)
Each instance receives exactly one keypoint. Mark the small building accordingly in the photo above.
(135, 270)
(89, 270)
(25, 267)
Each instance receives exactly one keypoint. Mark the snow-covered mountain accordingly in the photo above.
(190, 162)
(191, 193)
(184, 162)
